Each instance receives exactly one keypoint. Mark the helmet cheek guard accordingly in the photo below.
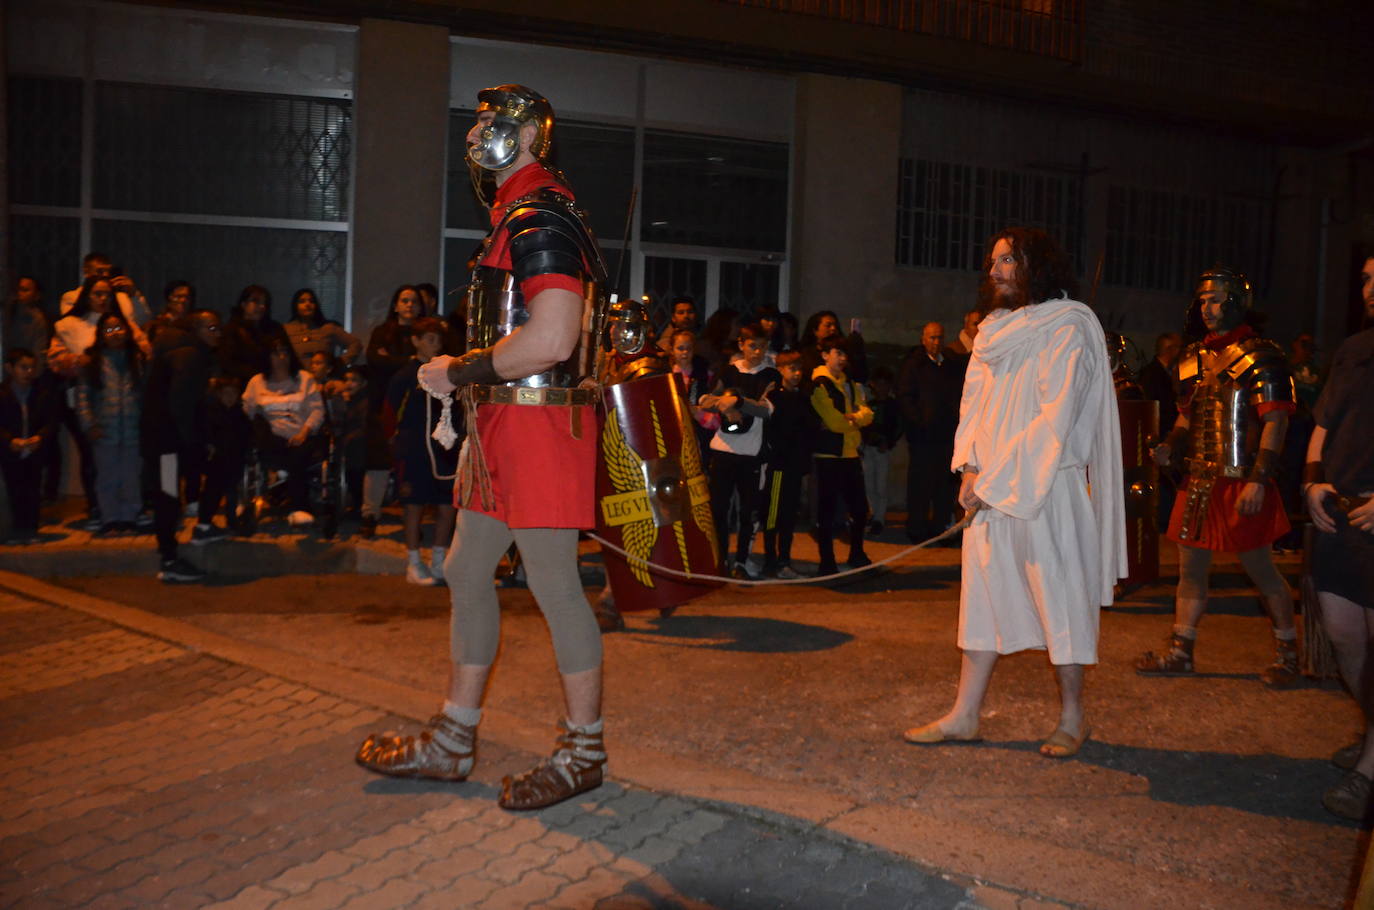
(498, 141)
(497, 146)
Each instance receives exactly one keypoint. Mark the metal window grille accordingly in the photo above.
(746, 286)
(1160, 239)
(45, 248)
(221, 259)
(219, 188)
(1052, 28)
(164, 149)
(667, 277)
(44, 124)
(946, 212)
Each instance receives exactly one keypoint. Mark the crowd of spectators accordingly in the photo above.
(790, 419)
(167, 405)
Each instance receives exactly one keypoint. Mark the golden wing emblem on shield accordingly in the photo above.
(696, 482)
(624, 468)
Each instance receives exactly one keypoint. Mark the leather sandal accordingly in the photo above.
(1347, 757)
(1283, 673)
(576, 766)
(1177, 661)
(1063, 744)
(424, 755)
(1350, 798)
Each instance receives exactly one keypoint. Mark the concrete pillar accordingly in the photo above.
(848, 142)
(401, 131)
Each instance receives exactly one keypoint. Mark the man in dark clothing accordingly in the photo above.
(788, 437)
(172, 430)
(1338, 487)
(28, 422)
(1157, 381)
(928, 389)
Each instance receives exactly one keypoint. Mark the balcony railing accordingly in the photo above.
(1051, 28)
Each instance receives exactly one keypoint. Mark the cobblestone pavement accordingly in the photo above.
(140, 773)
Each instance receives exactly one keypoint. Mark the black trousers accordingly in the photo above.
(782, 497)
(840, 480)
(929, 488)
(222, 474)
(736, 475)
(296, 461)
(22, 476)
(166, 506)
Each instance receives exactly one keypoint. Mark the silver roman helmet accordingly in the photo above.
(1236, 287)
(498, 142)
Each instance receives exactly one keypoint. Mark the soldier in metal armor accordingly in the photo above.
(1236, 396)
(528, 465)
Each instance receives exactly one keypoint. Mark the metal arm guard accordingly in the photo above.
(544, 242)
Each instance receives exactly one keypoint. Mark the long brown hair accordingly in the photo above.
(1043, 272)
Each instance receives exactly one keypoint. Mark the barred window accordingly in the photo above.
(48, 249)
(1161, 240)
(715, 191)
(44, 123)
(222, 259)
(162, 149)
(946, 212)
(222, 189)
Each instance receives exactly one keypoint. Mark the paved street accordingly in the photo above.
(192, 747)
(141, 772)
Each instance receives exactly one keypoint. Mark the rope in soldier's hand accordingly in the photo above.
(696, 576)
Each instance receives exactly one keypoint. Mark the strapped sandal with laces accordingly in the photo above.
(1350, 798)
(444, 750)
(1283, 673)
(576, 766)
(1177, 661)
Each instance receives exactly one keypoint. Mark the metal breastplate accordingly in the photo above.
(496, 308)
(1223, 424)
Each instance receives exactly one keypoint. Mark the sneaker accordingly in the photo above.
(93, 522)
(106, 529)
(178, 571)
(826, 568)
(741, 572)
(858, 561)
(192, 510)
(300, 517)
(203, 534)
(144, 522)
(419, 575)
(367, 528)
(788, 573)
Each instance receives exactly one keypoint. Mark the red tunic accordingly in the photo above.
(1224, 530)
(541, 476)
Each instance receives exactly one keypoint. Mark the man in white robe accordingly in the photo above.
(1037, 422)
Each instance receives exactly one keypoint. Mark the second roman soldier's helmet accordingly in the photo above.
(498, 142)
(1236, 287)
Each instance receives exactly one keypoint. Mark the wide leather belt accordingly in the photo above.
(504, 394)
(1200, 468)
